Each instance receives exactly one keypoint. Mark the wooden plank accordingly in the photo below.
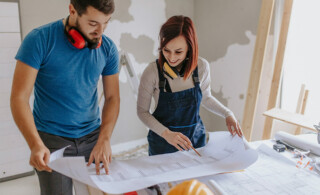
(256, 68)
(304, 104)
(300, 99)
(292, 118)
(278, 66)
(300, 105)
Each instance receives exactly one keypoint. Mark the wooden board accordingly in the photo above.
(256, 68)
(292, 118)
(278, 65)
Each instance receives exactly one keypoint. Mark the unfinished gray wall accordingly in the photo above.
(34, 13)
(226, 32)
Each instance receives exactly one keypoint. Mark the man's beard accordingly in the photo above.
(91, 41)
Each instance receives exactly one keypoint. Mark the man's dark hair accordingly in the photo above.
(105, 6)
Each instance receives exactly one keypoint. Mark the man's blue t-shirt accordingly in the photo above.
(65, 90)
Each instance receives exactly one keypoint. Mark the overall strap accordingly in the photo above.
(163, 83)
(195, 77)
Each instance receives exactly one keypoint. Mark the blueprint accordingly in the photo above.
(271, 174)
(223, 153)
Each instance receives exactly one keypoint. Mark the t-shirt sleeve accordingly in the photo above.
(112, 66)
(32, 49)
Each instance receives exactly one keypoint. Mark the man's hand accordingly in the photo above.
(102, 150)
(101, 153)
(39, 159)
(231, 121)
(177, 139)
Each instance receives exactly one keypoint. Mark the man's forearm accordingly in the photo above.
(23, 117)
(109, 118)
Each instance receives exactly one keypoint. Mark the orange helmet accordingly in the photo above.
(191, 187)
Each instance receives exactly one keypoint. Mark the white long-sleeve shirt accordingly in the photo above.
(149, 87)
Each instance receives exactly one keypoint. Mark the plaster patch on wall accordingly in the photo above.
(226, 23)
(139, 35)
(140, 47)
(146, 22)
(121, 12)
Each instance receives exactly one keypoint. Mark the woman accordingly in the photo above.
(178, 81)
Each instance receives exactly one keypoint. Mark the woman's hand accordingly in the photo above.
(233, 126)
(177, 139)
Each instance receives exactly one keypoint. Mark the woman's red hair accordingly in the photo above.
(174, 27)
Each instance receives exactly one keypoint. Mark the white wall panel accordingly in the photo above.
(4, 102)
(5, 86)
(9, 24)
(10, 40)
(9, 9)
(8, 128)
(12, 141)
(7, 54)
(5, 114)
(14, 151)
(14, 168)
(14, 154)
(6, 71)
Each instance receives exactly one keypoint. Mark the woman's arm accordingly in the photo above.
(147, 86)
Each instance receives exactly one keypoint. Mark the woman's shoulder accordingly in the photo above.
(151, 68)
(203, 64)
(150, 72)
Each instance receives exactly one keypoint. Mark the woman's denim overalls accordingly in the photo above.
(179, 112)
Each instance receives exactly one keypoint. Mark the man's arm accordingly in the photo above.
(22, 85)
(102, 150)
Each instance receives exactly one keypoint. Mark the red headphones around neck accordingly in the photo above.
(78, 40)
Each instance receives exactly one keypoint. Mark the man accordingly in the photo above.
(63, 60)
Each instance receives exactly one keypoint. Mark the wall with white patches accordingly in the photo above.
(226, 31)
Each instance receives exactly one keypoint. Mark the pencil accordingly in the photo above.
(195, 150)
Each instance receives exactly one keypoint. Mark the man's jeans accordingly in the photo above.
(55, 183)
